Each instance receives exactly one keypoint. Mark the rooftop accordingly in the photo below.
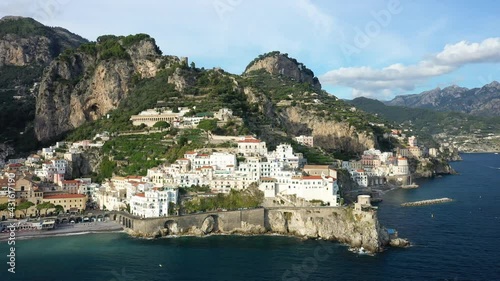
(64, 196)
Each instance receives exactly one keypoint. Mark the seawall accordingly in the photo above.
(342, 224)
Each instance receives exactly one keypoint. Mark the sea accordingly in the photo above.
(459, 240)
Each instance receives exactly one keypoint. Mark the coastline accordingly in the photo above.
(66, 230)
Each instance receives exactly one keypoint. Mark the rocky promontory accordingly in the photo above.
(341, 224)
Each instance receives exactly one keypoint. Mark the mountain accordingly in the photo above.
(276, 63)
(84, 84)
(470, 133)
(24, 41)
(484, 101)
(274, 104)
(26, 47)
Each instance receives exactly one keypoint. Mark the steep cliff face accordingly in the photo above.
(85, 85)
(276, 63)
(85, 163)
(327, 134)
(24, 41)
(358, 229)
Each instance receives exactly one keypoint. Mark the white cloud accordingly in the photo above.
(371, 82)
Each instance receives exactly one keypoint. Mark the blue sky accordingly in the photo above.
(378, 48)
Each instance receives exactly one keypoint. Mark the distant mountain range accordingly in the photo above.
(484, 101)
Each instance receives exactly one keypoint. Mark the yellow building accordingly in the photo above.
(70, 202)
(25, 190)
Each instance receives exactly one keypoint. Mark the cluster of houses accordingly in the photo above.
(277, 173)
(376, 167)
(45, 177)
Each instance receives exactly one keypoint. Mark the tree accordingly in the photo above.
(4, 207)
(161, 125)
(208, 124)
(193, 66)
(171, 208)
(24, 206)
(59, 209)
(45, 206)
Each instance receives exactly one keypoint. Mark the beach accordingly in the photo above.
(66, 229)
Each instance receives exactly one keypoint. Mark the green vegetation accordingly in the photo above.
(24, 206)
(249, 198)
(313, 154)
(194, 188)
(135, 154)
(208, 124)
(23, 28)
(161, 125)
(4, 207)
(45, 206)
(276, 53)
(17, 107)
(58, 209)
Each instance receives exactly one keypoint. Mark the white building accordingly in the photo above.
(322, 188)
(360, 177)
(305, 140)
(249, 146)
(153, 203)
(285, 156)
(412, 141)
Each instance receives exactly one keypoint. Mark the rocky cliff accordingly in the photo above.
(345, 225)
(86, 84)
(307, 113)
(356, 228)
(327, 134)
(426, 168)
(276, 63)
(24, 41)
(85, 163)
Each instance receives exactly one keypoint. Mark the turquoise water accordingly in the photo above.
(459, 242)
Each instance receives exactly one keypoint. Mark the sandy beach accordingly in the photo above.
(66, 229)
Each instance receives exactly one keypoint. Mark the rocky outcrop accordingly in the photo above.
(429, 167)
(327, 134)
(86, 85)
(85, 163)
(24, 41)
(346, 225)
(358, 229)
(276, 63)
